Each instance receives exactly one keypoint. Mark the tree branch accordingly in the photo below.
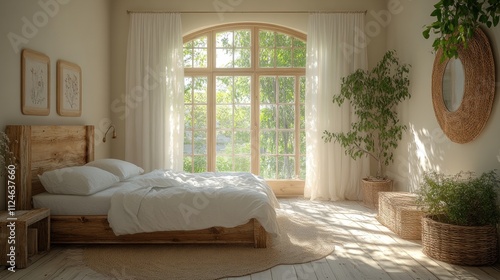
(364, 151)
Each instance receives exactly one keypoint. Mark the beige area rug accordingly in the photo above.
(302, 240)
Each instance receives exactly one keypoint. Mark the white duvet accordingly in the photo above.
(167, 200)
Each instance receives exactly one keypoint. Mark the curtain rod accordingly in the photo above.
(249, 12)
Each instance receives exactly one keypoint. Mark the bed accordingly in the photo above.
(44, 148)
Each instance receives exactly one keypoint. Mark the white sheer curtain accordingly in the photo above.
(335, 48)
(154, 120)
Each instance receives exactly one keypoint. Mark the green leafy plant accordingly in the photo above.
(457, 20)
(374, 96)
(463, 199)
(6, 156)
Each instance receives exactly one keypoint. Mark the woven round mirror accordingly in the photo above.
(463, 100)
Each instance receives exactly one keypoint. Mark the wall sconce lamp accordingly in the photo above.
(114, 133)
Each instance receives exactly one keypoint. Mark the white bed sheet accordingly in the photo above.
(61, 204)
(139, 203)
(164, 200)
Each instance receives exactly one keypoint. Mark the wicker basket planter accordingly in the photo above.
(461, 245)
(399, 212)
(371, 188)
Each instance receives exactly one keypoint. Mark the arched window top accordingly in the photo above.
(245, 46)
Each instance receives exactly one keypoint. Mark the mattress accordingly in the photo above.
(164, 200)
(61, 204)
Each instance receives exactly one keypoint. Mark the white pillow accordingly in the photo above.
(120, 168)
(79, 180)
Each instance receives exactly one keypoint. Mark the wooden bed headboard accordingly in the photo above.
(42, 148)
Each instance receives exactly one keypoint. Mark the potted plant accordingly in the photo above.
(374, 96)
(6, 156)
(456, 22)
(462, 216)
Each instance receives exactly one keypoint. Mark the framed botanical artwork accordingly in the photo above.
(35, 83)
(69, 89)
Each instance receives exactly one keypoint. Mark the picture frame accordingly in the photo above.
(35, 83)
(69, 89)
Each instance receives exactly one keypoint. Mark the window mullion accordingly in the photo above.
(255, 130)
(277, 129)
(297, 127)
(255, 111)
(211, 133)
(233, 129)
(211, 51)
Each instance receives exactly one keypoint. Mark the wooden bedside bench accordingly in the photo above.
(27, 229)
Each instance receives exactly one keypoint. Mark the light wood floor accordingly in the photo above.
(365, 250)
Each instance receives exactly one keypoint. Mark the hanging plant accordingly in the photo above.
(456, 21)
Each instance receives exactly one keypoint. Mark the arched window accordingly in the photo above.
(244, 100)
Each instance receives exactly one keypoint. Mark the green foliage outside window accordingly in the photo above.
(279, 96)
(233, 49)
(280, 50)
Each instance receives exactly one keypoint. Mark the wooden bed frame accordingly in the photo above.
(42, 148)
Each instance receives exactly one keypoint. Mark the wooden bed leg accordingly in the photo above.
(259, 235)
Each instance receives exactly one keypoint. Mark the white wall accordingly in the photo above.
(93, 34)
(74, 30)
(193, 22)
(425, 146)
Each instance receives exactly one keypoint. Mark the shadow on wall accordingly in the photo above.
(425, 152)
